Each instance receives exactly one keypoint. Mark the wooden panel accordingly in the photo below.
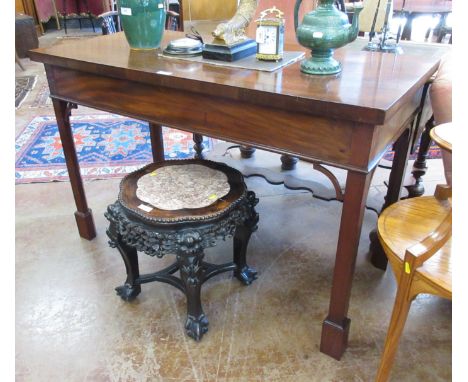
(371, 88)
(19, 7)
(208, 9)
(242, 122)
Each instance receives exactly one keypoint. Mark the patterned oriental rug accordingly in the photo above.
(433, 153)
(107, 145)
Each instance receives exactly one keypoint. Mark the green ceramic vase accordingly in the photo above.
(143, 22)
(322, 31)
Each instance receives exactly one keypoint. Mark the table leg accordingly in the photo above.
(420, 164)
(157, 142)
(198, 146)
(395, 183)
(247, 151)
(335, 328)
(288, 162)
(83, 215)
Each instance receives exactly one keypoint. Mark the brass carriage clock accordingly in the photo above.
(270, 35)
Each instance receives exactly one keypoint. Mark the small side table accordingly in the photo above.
(181, 207)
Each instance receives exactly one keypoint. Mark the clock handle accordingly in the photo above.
(296, 13)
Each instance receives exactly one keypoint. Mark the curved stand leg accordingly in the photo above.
(241, 240)
(191, 274)
(130, 289)
(243, 272)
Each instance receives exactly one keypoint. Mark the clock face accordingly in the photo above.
(267, 39)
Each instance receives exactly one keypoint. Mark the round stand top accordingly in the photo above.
(443, 135)
(177, 191)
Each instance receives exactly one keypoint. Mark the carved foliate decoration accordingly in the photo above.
(158, 241)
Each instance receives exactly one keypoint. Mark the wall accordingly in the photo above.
(286, 6)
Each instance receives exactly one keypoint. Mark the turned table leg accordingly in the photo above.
(198, 146)
(420, 164)
(335, 328)
(247, 151)
(83, 215)
(288, 162)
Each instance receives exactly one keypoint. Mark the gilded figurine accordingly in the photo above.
(233, 31)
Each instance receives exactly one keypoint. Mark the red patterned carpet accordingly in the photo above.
(107, 145)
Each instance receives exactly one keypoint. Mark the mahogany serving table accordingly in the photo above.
(347, 121)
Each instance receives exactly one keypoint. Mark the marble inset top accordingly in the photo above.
(182, 186)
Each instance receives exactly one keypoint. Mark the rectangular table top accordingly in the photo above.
(370, 89)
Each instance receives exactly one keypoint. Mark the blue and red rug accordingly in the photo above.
(432, 153)
(107, 145)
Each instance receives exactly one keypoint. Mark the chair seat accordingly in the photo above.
(408, 222)
(178, 191)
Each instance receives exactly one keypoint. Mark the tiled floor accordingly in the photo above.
(71, 326)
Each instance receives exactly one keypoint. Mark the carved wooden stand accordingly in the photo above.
(131, 230)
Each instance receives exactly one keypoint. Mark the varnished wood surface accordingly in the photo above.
(415, 234)
(408, 222)
(443, 135)
(371, 88)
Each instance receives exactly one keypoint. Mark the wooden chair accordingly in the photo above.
(110, 22)
(415, 234)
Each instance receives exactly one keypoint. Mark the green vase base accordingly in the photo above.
(320, 66)
(135, 48)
